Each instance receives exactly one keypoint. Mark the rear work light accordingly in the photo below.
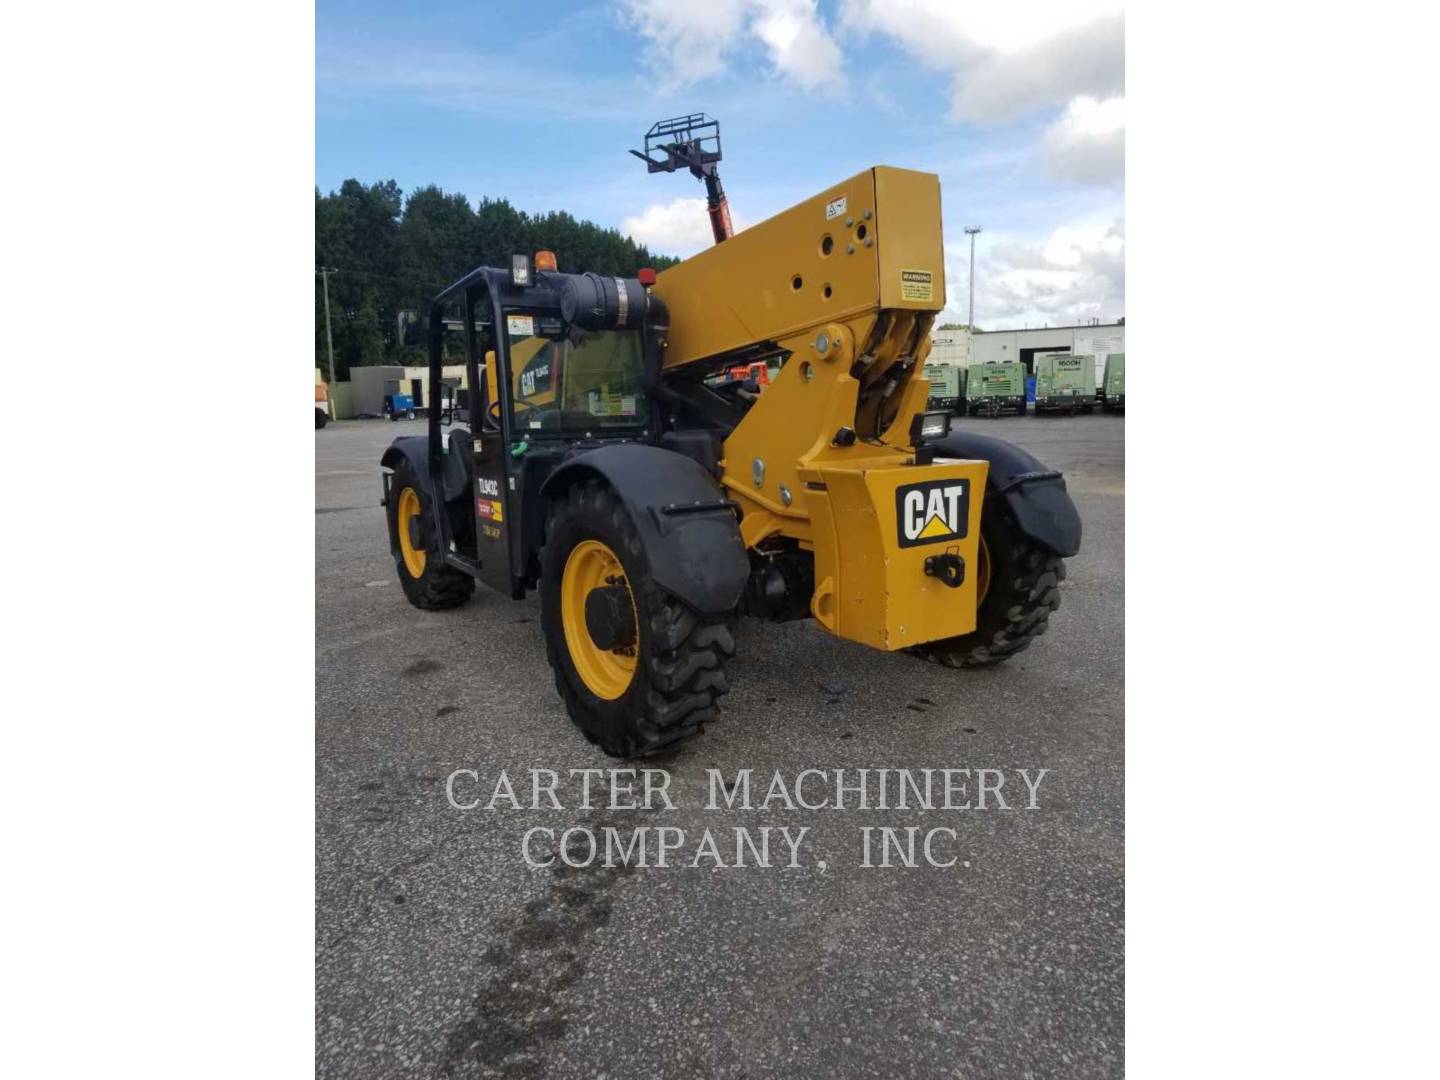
(520, 270)
(929, 426)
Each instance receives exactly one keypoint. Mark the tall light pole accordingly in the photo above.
(330, 345)
(970, 231)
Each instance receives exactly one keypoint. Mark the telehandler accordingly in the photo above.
(651, 508)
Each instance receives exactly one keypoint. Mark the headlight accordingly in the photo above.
(929, 426)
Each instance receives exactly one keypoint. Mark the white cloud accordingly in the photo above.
(939, 29)
(1075, 273)
(679, 227)
(1088, 60)
(1087, 143)
(800, 47)
(690, 42)
(687, 41)
(1006, 59)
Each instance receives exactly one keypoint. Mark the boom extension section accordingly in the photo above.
(691, 142)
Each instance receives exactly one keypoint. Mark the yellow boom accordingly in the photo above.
(847, 284)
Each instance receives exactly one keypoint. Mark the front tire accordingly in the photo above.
(428, 582)
(1020, 586)
(657, 672)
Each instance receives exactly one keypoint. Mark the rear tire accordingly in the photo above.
(677, 674)
(320, 419)
(427, 581)
(1024, 588)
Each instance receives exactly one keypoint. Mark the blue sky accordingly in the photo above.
(1019, 110)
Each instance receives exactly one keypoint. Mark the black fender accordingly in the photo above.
(1036, 495)
(413, 449)
(689, 528)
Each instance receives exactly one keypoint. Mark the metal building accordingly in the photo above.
(369, 385)
(1097, 340)
(949, 347)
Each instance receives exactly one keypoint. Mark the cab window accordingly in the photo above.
(566, 380)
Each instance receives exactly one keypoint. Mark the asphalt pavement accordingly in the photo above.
(440, 952)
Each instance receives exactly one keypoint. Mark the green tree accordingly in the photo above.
(356, 233)
(392, 253)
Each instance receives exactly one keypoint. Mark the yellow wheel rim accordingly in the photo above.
(409, 508)
(982, 574)
(607, 672)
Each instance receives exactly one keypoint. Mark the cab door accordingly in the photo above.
(520, 380)
(492, 507)
(490, 430)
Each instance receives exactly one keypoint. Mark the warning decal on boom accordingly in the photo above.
(917, 285)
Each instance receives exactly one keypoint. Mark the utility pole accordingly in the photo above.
(329, 344)
(970, 231)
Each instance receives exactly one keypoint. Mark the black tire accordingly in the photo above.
(680, 655)
(1024, 589)
(320, 419)
(439, 586)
